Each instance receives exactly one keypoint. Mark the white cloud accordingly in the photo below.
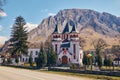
(1, 27)
(3, 39)
(44, 10)
(30, 26)
(51, 14)
(2, 13)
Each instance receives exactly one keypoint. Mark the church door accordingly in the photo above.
(64, 60)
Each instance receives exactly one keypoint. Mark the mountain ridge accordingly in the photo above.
(103, 24)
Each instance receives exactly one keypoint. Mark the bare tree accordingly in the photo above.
(116, 50)
(82, 42)
(99, 45)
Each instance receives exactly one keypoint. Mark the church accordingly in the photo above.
(66, 45)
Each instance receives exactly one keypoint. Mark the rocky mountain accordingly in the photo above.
(91, 25)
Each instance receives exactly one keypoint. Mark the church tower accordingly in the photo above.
(77, 53)
(56, 39)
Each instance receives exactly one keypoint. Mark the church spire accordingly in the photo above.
(56, 30)
(66, 29)
(74, 29)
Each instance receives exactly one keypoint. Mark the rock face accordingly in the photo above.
(91, 25)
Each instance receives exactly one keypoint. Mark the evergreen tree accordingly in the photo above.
(42, 57)
(30, 60)
(19, 37)
(99, 60)
(85, 61)
(105, 61)
(51, 56)
(17, 60)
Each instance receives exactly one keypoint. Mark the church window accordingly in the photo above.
(69, 59)
(23, 59)
(74, 48)
(67, 36)
(55, 47)
(80, 56)
(74, 57)
(59, 59)
(31, 53)
(36, 52)
(66, 48)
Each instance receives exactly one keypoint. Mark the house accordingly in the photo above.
(66, 45)
(33, 52)
(116, 61)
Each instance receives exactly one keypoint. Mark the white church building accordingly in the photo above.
(66, 45)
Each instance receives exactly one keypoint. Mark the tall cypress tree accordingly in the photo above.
(105, 61)
(42, 57)
(85, 61)
(51, 56)
(19, 37)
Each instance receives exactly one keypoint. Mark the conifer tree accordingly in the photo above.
(51, 56)
(30, 60)
(42, 57)
(19, 37)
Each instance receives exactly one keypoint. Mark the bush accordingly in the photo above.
(27, 65)
(73, 66)
(34, 64)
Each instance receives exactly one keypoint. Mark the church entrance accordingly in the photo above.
(64, 60)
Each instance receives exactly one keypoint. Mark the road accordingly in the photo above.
(7, 73)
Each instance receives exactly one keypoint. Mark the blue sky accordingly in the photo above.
(34, 11)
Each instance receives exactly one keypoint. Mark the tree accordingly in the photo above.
(109, 62)
(116, 50)
(42, 57)
(30, 60)
(105, 61)
(19, 36)
(85, 61)
(9, 60)
(17, 60)
(99, 45)
(51, 56)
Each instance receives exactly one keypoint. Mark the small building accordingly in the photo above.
(116, 61)
(33, 52)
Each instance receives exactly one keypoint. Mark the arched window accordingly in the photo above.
(55, 47)
(69, 59)
(31, 52)
(74, 48)
(36, 52)
(67, 36)
(74, 56)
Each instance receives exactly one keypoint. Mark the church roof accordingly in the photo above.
(66, 29)
(56, 30)
(74, 29)
(67, 44)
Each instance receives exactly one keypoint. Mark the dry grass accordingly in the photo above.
(90, 76)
